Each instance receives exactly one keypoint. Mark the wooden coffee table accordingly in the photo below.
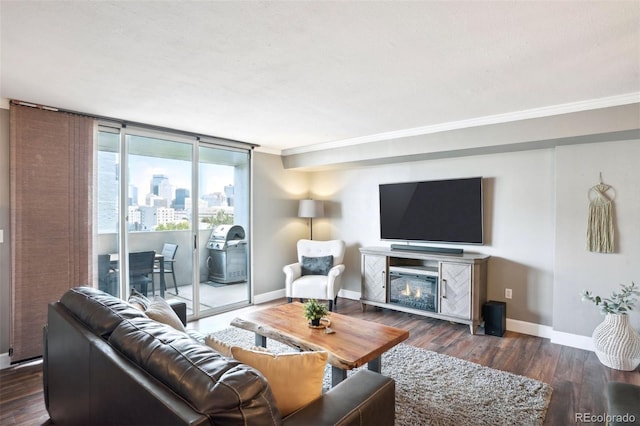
(355, 342)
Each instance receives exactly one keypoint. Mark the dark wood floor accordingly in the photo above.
(577, 377)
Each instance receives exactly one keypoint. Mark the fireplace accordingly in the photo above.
(414, 291)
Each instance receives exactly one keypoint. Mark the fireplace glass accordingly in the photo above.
(414, 291)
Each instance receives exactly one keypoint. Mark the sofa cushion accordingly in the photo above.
(139, 300)
(99, 311)
(225, 390)
(159, 310)
(295, 378)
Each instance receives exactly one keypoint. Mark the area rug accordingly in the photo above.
(435, 389)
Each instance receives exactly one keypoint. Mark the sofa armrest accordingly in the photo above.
(180, 308)
(45, 366)
(365, 398)
(623, 402)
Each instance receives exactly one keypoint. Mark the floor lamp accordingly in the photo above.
(310, 209)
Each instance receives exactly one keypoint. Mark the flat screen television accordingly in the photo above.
(443, 211)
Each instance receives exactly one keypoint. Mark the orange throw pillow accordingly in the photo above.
(294, 378)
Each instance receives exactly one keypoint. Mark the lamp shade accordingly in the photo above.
(311, 208)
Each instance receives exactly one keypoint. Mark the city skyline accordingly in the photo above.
(213, 177)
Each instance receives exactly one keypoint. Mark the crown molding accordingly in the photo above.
(267, 150)
(592, 104)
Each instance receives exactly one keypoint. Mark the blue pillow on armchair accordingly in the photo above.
(316, 265)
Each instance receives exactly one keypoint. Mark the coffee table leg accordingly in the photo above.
(374, 365)
(261, 341)
(337, 375)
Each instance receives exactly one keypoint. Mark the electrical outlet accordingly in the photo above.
(507, 293)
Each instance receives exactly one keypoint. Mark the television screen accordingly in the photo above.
(446, 211)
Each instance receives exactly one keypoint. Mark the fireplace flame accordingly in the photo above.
(408, 292)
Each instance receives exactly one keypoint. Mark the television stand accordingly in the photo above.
(430, 249)
(452, 286)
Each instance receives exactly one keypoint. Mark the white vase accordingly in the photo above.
(617, 343)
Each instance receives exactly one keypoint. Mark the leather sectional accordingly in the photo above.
(106, 363)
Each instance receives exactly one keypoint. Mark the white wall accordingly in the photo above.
(519, 219)
(276, 227)
(577, 170)
(545, 265)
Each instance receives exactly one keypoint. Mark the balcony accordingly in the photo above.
(213, 296)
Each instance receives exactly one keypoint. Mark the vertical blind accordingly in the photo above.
(51, 216)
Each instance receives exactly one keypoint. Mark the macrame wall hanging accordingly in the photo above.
(600, 233)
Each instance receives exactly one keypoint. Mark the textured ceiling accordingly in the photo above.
(294, 74)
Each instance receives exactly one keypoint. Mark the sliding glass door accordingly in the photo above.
(163, 200)
(159, 213)
(223, 211)
(106, 227)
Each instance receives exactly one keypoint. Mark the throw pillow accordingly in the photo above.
(159, 310)
(294, 378)
(219, 346)
(139, 300)
(224, 348)
(316, 265)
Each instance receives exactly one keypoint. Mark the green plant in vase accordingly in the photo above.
(619, 303)
(616, 342)
(314, 311)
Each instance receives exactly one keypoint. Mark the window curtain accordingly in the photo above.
(51, 216)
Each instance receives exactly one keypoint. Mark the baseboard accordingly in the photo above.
(349, 294)
(277, 294)
(267, 297)
(558, 337)
(532, 329)
(547, 332)
(573, 340)
(5, 361)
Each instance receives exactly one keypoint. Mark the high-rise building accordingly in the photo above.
(156, 181)
(229, 192)
(134, 219)
(214, 199)
(161, 187)
(181, 195)
(107, 170)
(133, 195)
(150, 217)
(155, 201)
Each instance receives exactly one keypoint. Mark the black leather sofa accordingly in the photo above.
(105, 363)
(623, 404)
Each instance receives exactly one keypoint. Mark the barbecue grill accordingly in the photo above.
(227, 261)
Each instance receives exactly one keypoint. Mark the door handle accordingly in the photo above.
(443, 288)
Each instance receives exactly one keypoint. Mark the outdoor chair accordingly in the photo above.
(169, 255)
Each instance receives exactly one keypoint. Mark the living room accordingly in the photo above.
(538, 161)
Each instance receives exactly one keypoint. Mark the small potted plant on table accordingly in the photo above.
(314, 312)
(617, 344)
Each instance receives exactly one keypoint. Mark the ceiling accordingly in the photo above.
(296, 76)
